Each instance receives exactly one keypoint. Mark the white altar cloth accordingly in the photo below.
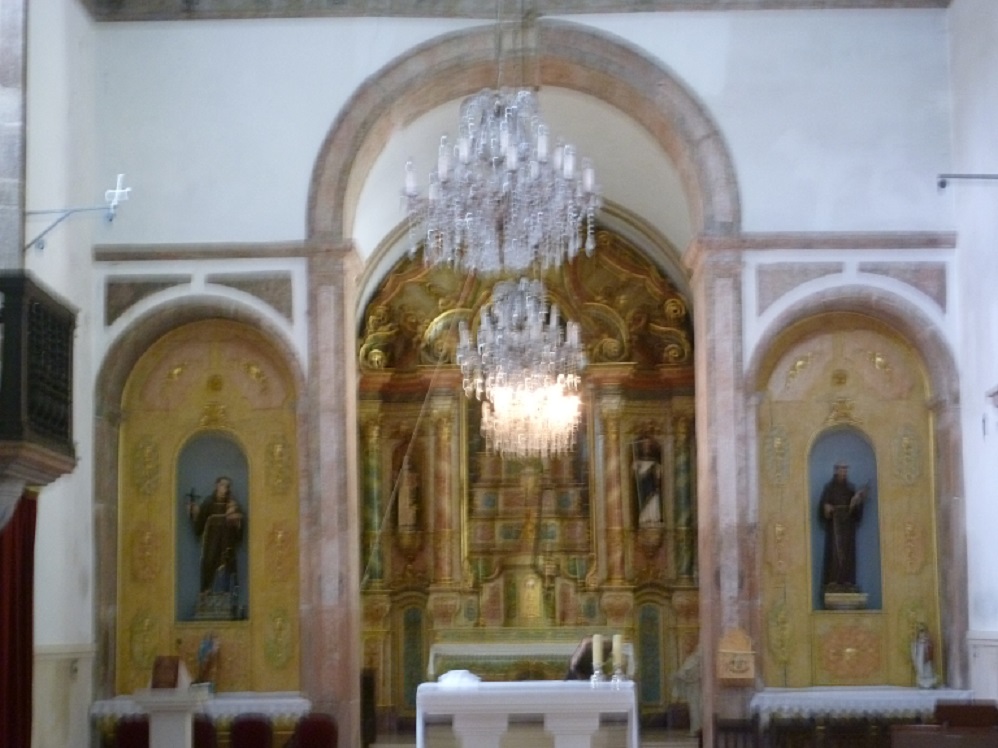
(278, 705)
(513, 651)
(851, 701)
(571, 709)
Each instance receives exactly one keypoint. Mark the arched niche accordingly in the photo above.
(845, 540)
(209, 382)
(842, 385)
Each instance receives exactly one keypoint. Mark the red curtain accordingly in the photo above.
(17, 572)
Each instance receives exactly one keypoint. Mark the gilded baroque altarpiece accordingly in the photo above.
(464, 548)
(221, 380)
(845, 374)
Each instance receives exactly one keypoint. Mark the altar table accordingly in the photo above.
(571, 709)
(837, 702)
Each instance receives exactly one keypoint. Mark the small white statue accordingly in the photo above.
(686, 684)
(921, 658)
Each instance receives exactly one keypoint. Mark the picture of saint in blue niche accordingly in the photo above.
(212, 558)
(846, 564)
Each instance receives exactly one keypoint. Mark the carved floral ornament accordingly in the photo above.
(629, 311)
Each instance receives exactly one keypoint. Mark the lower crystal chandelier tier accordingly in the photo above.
(503, 197)
(525, 371)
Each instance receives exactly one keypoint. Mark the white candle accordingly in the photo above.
(597, 651)
(618, 652)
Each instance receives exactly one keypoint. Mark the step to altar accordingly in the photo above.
(533, 736)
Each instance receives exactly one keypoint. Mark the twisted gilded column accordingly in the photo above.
(372, 567)
(610, 407)
(683, 497)
(443, 511)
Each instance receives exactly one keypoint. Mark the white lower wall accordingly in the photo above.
(983, 646)
(62, 694)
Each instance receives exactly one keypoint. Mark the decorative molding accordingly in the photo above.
(156, 10)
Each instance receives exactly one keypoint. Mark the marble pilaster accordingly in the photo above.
(726, 518)
(330, 573)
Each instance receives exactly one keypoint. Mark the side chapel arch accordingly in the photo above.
(928, 442)
(112, 378)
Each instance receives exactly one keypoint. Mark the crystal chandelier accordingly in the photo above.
(525, 372)
(504, 197)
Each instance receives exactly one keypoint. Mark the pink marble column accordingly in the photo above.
(726, 514)
(330, 528)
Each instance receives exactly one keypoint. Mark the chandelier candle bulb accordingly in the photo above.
(542, 143)
(568, 163)
(410, 179)
(443, 160)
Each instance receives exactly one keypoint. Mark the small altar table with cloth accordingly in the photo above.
(571, 709)
(845, 702)
(284, 708)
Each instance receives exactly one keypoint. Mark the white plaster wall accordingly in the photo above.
(974, 25)
(219, 137)
(62, 173)
(837, 119)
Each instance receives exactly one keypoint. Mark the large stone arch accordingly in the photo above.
(450, 67)
(570, 56)
(875, 308)
(112, 377)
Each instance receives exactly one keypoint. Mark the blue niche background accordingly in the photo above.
(202, 461)
(850, 446)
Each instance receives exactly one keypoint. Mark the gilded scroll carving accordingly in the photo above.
(779, 633)
(278, 466)
(143, 639)
(850, 651)
(147, 552)
(278, 640)
(907, 454)
(628, 310)
(913, 550)
(777, 455)
(778, 551)
(145, 467)
(842, 411)
(796, 368)
(280, 552)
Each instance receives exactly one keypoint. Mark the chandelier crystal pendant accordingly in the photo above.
(503, 197)
(525, 372)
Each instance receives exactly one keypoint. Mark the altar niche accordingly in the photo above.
(845, 522)
(212, 517)
(522, 554)
(845, 390)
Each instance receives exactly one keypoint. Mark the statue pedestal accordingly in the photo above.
(846, 600)
(171, 714)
